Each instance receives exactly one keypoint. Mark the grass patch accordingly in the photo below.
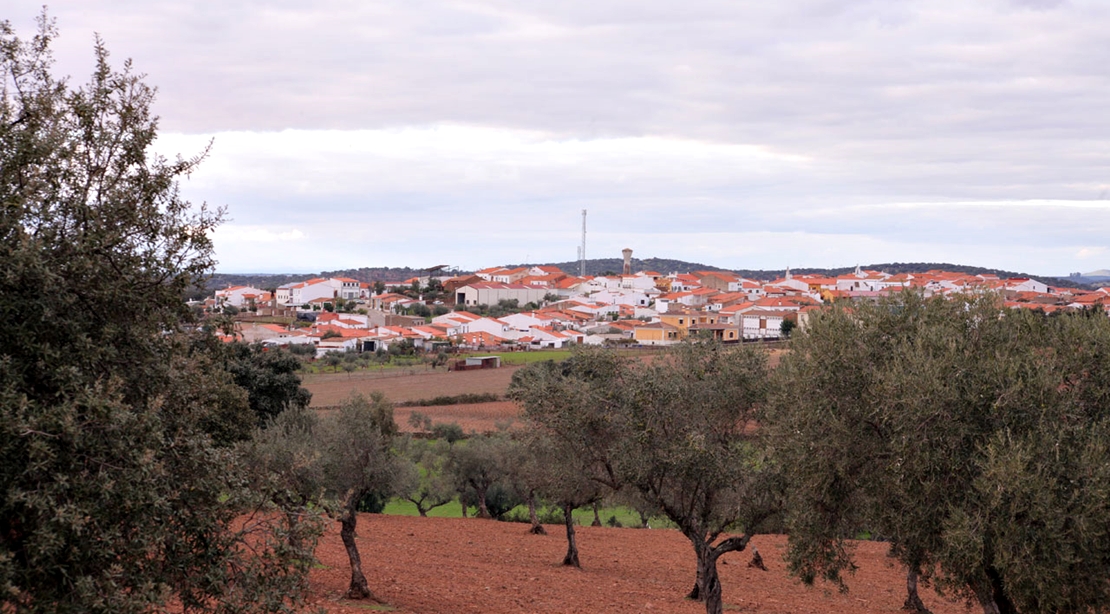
(527, 357)
(627, 517)
(400, 507)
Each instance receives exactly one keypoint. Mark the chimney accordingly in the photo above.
(627, 261)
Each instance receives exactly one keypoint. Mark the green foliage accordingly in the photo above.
(465, 398)
(787, 327)
(424, 477)
(448, 431)
(972, 437)
(675, 430)
(269, 375)
(118, 489)
(479, 466)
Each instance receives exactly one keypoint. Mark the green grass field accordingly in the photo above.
(523, 358)
(583, 517)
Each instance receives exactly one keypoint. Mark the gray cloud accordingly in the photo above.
(886, 102)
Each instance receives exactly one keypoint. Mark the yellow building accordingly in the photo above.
(658, 333)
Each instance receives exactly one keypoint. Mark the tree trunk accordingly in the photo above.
(643, 520)
(292, 516)
(597, 515)
(483, 511)
(696, 593)
(359, 589)
(572, 546)
(711, 584)
(463, 506)
(991, 594)
(537, 528)
(913, 600)
(707, 587)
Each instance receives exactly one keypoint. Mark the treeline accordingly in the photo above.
(972, 438)
(219, 281)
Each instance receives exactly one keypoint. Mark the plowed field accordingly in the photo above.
(443, 565)
(332, 389)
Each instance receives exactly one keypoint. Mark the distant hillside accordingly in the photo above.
(1094, 278)
(665, 266)
(263, 281)
(599, 266)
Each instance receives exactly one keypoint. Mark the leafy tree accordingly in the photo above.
(448, 431)
(480, 463)
(357, 462)
(333, 359)
(787, 327)
(118, 489)
(676, 430)
(284, 461)
(424, 478)
(269, 375)
(971, 436)
(552, 470)
(379, 287)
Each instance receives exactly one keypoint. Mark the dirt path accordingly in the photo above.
(434, 565)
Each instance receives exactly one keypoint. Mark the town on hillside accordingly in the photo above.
(538, 307)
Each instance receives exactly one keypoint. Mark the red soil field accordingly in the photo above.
(479, 417)
(434, 565)
(331, 389)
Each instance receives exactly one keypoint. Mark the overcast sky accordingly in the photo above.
(742, 134)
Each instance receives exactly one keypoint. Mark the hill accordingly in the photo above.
(600, 266)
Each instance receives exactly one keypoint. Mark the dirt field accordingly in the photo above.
(436, 565)
(332, 389)
(480, 417)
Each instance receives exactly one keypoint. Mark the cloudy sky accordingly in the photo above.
(743, 134)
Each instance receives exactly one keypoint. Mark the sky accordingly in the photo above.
(736, 133)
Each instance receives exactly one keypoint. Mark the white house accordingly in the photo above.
(489, 293)
(241, 296)
(763, 324)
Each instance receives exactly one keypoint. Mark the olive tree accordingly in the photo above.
(550, 469)
(424, 479)
(678, 430)
(971, 436)
(119, 490)
(357, 461)
(481, 463)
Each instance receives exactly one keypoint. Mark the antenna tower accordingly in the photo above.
(582, 250)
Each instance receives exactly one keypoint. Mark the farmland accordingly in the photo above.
(431, 565)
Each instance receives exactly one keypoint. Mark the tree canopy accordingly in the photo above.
(973, 437)
(676, 430)
(118, 489)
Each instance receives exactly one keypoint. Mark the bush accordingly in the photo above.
(500, 500)
(458, 399)
(546, 515)
(449, 431)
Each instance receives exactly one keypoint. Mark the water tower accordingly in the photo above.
(627, 261)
